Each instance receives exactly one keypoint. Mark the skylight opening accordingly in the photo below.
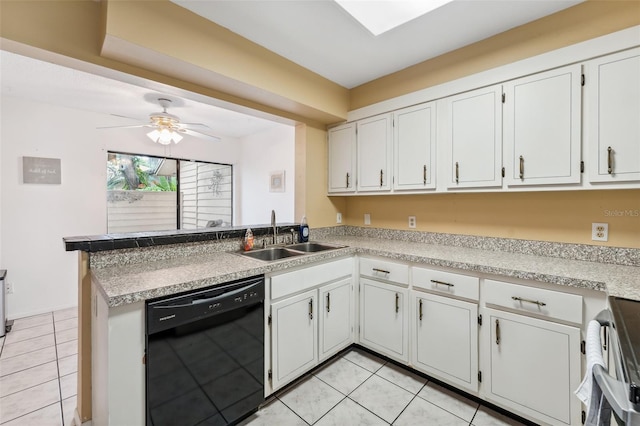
(380, 16)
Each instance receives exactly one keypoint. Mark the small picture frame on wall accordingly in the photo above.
(38, 170)
(276, 181)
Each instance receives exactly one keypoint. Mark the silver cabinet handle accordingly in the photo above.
(347, 180)
(328, 302)
(420, 310)
(535, 302)
(521, 167)
(609, 160)
(442, 283)
(311, 309)
(457, 171)
(381, 175)
(397, 303)
(424, 174)
(382, 271)
(497, 332)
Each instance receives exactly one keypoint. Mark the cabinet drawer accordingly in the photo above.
(382, 269)
(552, 304)
(300, 280)
(446, 283)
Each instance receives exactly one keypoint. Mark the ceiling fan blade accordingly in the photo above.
(124, 127)
(195, 124)
(201, 135)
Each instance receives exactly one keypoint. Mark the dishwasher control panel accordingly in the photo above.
(169, 312)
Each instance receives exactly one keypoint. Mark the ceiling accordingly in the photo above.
(131, 97)
(320, 36)
(316, 34)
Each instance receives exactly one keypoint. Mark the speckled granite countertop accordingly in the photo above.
(126, 284)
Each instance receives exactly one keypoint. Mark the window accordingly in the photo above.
(147, 193)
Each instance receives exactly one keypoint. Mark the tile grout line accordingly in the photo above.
(55, 341)
(292, 410)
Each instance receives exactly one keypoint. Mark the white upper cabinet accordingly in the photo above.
(342, 158)
(542, 128)
(612, 95)
(374, 153)
(414, 147)
(473, 138)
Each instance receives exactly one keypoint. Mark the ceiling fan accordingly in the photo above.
(167, 127)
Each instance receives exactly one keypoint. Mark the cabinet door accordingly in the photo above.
(383, 319)
(414, 141)
(342, 158)
(294, 337)
(534, 367)
(336, 318)
(473, 138)
(445, 339)
(612, 94)
(542, 128)
(374, 153)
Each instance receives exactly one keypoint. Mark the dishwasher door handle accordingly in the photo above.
(208, 299)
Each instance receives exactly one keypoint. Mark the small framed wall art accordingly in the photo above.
(46, 171)
(276, 181)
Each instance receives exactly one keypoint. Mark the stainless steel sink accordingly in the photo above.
(274, 253)
(270, 254)
(311, 247)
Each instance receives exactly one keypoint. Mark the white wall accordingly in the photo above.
(261, 154)
(35, 218)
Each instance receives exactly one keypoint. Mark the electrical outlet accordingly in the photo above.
(338, 217)
(412, 221)
(367, 219)
(600, 232)
(8, 287)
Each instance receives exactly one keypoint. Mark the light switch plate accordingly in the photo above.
(600, 232)
(367, 219)
(338, 217)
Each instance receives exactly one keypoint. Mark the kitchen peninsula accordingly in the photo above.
(126, 270)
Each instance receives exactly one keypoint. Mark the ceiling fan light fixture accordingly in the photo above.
(164, 136)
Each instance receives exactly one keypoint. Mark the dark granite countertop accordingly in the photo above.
(105, 242)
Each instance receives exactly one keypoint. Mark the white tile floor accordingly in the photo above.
(38, 380)
(38, 364)
(358, 388)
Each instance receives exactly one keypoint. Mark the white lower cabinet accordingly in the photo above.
(336, 318)
(383, 318)
(533, 367)
(294, 336)
(312, 318)
(445, 339)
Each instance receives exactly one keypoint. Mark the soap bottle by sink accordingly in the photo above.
(303, 234)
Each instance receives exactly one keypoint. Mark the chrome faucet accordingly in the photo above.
(273, 225)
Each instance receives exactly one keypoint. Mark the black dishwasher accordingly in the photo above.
(205, 355)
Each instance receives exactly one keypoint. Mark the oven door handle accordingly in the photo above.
(614, 390)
